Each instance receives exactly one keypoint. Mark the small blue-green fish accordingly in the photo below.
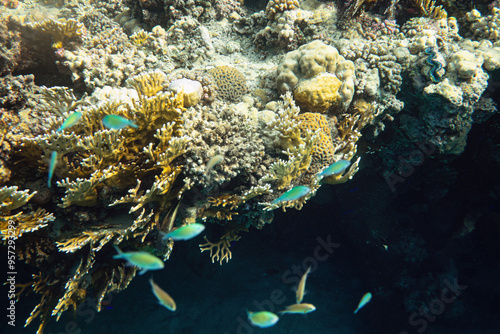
(262, 319)
(293, 194)
(299, 309)
(336, 168)
(70, 121)
(163, 297)
(143, 260)
(52, 166)
(365, 300)
(184, 232)
(212, 162)
(116, 122)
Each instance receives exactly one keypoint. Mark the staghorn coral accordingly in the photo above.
(62, 31)
(219, 251)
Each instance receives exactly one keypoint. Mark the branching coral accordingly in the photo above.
(219, 251)
(92, 158)
(14, 225)
(62, 31)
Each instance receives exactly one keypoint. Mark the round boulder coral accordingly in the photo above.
(311, 72)
(191, 89)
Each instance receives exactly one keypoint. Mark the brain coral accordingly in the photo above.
(323, 149)
(231, 84)
(299, 69)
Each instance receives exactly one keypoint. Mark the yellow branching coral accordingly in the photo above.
(11, 198)
(92, 161)
(24, 223)
(140, 37)
(219, 251)
(299, 159)
(117, 280)
(286, 124)
(430, 10)
(100, 236)
(14, 225)
(74, 290)
(148, 84)
(61, 31)
(58, 100)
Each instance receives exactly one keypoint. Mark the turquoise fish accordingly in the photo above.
(143, 260)
(262, 319)
(336, 168)
(299, 309)
(70, 121)
(293, 194)
(364, 300)
(52, 166)
(184, 232)
(116, 122)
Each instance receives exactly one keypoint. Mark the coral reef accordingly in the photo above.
(200, 88)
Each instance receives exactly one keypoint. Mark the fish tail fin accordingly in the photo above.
(164, 236)
(119, 251)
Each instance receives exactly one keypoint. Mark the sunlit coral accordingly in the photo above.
(62, 31)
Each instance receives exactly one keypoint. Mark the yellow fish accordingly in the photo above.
(262, 319)
(299, 294)
(143, 260)
(299, 308)
(164, 298)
